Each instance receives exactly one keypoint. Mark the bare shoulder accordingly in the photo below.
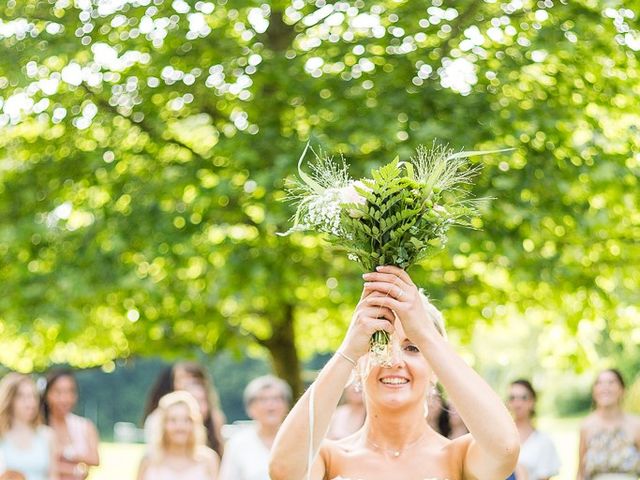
(458, 447)
(633, 419)
(590, 423)
(461, 442)
(329, 446)
(333, 450)
(89, 425)
(208, 456)
(633, 422)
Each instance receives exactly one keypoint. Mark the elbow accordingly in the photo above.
(512, 439)
(279, 469)
(513, 450)
(511, 447)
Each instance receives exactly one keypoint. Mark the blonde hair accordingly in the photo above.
(433, 314)
(9, 387)
(198, 436)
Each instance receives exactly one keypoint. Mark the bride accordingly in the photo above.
(396, 442)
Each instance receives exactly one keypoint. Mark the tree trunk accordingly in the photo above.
(284, 354)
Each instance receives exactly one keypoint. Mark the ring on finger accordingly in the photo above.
(400, 293)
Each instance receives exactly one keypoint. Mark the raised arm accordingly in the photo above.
(289, 455)
(493, 451)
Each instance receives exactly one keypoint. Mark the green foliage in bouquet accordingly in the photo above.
(409, 208)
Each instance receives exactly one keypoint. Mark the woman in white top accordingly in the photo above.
(538, 454)
(26, 446)
(179, 451)
(76, 437)
(246, 454)
(395, 441)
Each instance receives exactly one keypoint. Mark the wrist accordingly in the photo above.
(341, 354)
(353, 353)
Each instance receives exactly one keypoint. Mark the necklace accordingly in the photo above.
(397, 453)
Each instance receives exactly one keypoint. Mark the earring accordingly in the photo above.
(357, 382)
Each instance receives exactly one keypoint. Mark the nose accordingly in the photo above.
(397, 358)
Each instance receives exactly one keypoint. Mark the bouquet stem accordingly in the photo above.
(381, 348)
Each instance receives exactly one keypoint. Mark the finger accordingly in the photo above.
(388, 302)
(365, 294)
(396, 271)
(387, 277)
(378, 312)
(375, 324)
(388, 289)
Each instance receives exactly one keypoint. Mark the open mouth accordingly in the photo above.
(394, 381)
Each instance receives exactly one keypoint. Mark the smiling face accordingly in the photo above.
(178, 425)
(607, 391)
(405, 382)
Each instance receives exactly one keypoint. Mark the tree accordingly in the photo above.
(145, 146)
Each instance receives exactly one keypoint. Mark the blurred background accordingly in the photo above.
(145, 144)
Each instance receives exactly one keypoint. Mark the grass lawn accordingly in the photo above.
(120, 460)
(565, 435)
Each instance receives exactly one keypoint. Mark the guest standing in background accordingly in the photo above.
(609, 437)
(538, 455)
(246, 456)
(182, 376)
(76, 437)
(437, 413)
(179, 452)
(26, 445)
(456, 424)
(348, 417)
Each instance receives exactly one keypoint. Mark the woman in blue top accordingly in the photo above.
(26, 445)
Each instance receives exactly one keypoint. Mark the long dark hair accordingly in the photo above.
(162, 386)
(52, 377)
(444, 426)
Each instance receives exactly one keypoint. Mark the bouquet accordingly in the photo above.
(398, 216)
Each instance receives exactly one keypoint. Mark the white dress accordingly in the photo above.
(246, 457)
(539, 457)
(33, 462)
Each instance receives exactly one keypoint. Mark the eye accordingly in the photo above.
(411, 348)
